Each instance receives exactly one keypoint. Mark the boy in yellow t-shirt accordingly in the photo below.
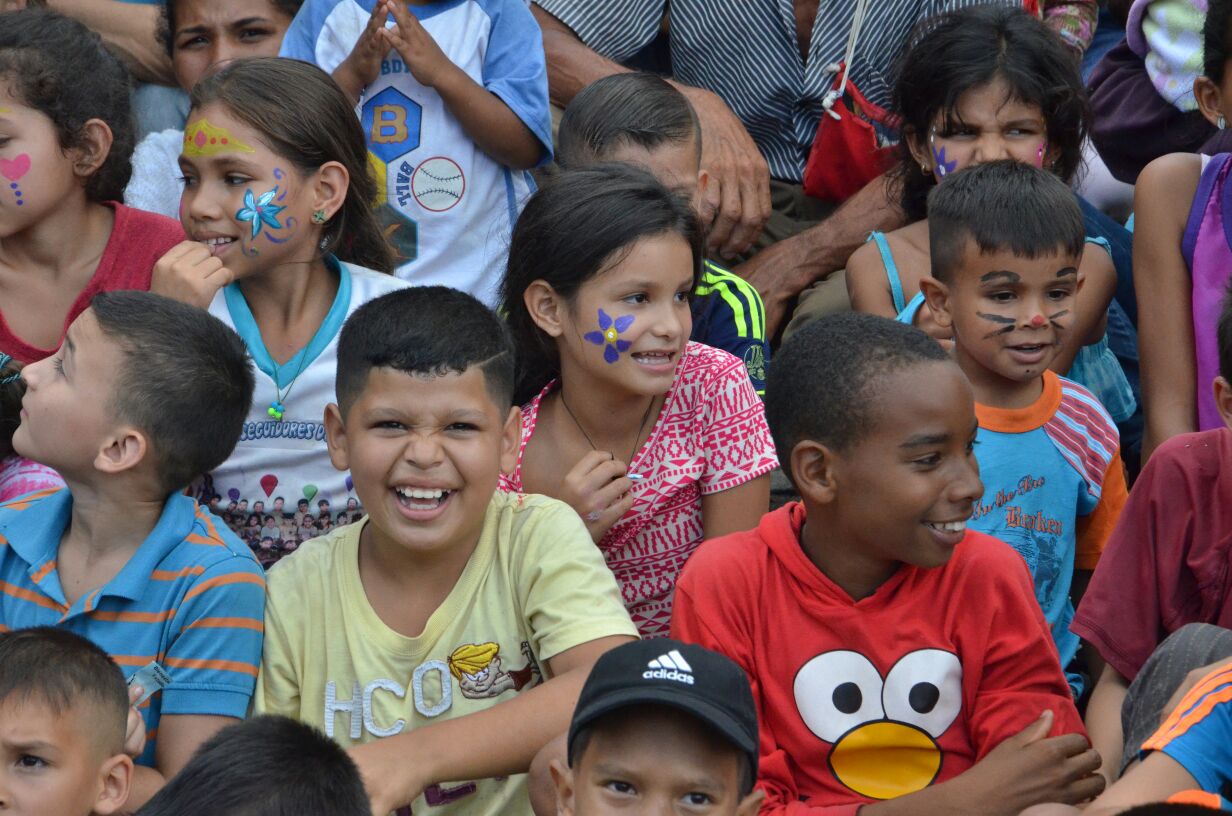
(444, 639)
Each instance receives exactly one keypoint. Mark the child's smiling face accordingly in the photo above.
(425, 454)
(1010, 315)
(629, 323)
(250, 206)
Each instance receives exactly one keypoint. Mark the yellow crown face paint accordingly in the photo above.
(203, 139)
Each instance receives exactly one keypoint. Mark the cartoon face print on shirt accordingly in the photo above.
(883, 732)
(246, 203)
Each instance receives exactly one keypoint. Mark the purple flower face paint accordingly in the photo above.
(944, 168)
(608, 335)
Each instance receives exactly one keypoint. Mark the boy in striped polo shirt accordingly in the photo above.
(640, 119)
(1005, 241)
(143, 395)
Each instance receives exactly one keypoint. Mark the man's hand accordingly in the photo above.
(779, 273)
(1030, 768)
(737, 199)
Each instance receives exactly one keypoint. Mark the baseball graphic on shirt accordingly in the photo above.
(438, 184)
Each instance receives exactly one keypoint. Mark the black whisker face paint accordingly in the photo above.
(1007, 323)
(1055, 318)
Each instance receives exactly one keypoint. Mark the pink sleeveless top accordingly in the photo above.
(1207, 247)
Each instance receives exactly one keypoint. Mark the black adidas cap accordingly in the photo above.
(684, 676)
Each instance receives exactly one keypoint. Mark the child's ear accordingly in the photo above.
(511, 440)
(918, 145)
(812, 470)
(93, 148)
(546, 307)
(125, 450)
(750, 804)
(117, 778)
(1209, 100)
(336, 438)
(562, 778)
(330, 188)
(937, 296)
(1223, 400)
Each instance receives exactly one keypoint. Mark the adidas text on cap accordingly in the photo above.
(683, 676)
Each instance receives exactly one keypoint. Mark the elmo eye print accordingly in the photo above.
(884, 732)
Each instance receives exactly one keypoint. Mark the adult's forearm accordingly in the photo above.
(572, 65)
(130, 28)
(831, 243)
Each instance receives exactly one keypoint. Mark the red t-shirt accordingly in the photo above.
(138, 239)
(1166, 563)
(865, 700)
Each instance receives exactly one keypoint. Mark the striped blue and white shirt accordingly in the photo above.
(747, 52)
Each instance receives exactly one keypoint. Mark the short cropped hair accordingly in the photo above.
(265, 766)
(63, 670)
(581, 741)
(632, 108)
(1001, 205)
(1171, 809)
(185, 380)
(823, 378)
(430, 330)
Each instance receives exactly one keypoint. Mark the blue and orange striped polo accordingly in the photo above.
(192, 597)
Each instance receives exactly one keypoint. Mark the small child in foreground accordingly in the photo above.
(144, 394)
(230, 775)
(63, 708)
(899, 662)
(659, 724)
(1006, 241)
(443, 638)
(640, 119)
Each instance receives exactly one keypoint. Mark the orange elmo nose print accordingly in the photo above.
(883, 732)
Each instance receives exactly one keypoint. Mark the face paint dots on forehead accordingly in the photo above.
(202, 139)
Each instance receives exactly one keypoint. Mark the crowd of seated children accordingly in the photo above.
(300, 523)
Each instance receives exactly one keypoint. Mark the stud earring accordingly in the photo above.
(319, 217)
(1221, 123)
(926, 170)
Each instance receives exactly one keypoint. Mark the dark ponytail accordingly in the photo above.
(573, 228)
(317, 126)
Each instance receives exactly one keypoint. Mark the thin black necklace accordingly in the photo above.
(591, 442)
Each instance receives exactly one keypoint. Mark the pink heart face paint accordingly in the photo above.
(14, 170)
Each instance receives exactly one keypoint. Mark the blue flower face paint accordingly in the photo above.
(261, 211)
(608, 335)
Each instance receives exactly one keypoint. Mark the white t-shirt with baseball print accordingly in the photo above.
(447, 207)
(287, 458)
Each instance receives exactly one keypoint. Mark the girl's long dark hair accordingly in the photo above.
(306, 118)
(576, 226)
(952, 53)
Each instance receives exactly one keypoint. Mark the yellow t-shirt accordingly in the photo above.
(535, 586)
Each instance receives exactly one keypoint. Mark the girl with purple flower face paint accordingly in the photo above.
(655, 441)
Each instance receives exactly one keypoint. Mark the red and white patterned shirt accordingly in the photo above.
(711, 436)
